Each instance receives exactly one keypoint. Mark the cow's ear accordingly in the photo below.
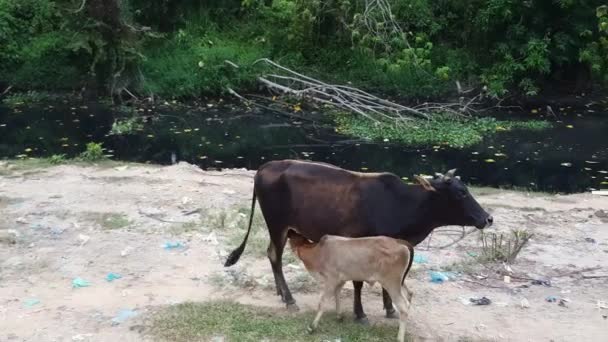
(425, 183)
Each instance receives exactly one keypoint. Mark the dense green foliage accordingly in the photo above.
(178, 48)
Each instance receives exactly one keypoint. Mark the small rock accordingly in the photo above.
(524, 303)
(9, 236)
(21, 220)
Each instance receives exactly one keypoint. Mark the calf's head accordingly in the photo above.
(455, 205)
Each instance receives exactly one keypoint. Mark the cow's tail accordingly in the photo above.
(236, 254)
(409, 265)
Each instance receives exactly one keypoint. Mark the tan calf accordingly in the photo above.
(334, 260)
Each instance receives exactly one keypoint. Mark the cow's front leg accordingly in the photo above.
(388, 305)
(360, 316)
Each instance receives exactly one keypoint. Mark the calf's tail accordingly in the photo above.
(409, 265)
(236, 254)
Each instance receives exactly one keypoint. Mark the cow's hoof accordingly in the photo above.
(391, 313)
(292, 307)
(362, 320)
(310, 329)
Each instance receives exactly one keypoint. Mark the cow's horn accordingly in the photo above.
(450, 174)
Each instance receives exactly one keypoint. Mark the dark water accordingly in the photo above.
(560, 159)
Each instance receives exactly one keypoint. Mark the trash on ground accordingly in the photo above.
(480, 301)
(9, 236)
(211, 238)
(124, 315)
(172, 245)
(81, 337)
(79, 282)
(125, 251)
(420, 259)
(31, 302)
(507, 279)
(524, 303)
(551, 299)
(83, 239)
(472, 254)
(21, 220)
(547, 283)
(113, 276)
(438, 277)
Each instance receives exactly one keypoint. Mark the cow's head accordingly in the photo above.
(456, 205)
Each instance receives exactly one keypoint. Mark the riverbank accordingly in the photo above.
(92, 220)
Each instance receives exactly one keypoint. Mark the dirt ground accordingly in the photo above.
(87, 221)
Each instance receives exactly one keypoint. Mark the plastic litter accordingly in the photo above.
(81, 337)
(438, 277)
(211, 238)
(124, 315)
(551, 299)
(113, 276)
(420, 259)
(172, 245)
(480, 301)
(83, 239)
(79, 282)
(472, 254)
(31, 302)
(507, 279)
(547, 283)
(125, 251)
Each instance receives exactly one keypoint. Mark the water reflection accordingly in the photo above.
(571, 157)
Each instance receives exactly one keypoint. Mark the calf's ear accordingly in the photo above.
(425, 183)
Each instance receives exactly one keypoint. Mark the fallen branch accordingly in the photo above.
(6, 90)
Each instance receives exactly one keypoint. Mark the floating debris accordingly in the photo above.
(566, 164)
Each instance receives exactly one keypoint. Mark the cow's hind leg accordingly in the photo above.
(388, 305)
(360, 316)
(278, 237)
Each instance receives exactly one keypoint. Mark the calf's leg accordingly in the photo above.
(337, 297)
(388, 304)
(328, 291)
(402, 303)
(360, 316)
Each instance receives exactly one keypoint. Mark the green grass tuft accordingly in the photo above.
(236, 322)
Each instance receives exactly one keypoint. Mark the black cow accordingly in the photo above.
(318, 199)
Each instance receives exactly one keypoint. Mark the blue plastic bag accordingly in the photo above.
(172, 245)
(438, 277)
(420, 259)
(124, 315)
(113, 276)
(79, 282)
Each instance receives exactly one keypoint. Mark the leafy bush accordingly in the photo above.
(93, 153)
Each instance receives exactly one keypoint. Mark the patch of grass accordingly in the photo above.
(442, 130)
(181, 228)
(126, 126)
(236, 322)
(93, 153)
(57, 159)
(29, 98)
(110, 221)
